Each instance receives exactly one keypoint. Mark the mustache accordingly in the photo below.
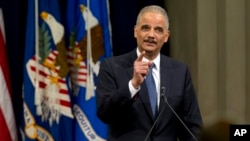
(150, 40)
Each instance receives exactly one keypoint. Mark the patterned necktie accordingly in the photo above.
(152, 90)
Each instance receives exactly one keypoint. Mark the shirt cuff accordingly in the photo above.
(133, 90)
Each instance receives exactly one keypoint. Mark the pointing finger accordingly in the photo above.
(140, 56)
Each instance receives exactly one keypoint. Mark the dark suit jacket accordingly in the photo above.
(130, 119)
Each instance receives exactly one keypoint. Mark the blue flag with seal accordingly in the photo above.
(89, 42)
(47, 113)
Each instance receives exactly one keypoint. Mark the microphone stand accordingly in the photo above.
(158, 117)
(166, 101)
(151, 129)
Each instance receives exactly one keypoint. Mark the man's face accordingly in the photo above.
(151, 33)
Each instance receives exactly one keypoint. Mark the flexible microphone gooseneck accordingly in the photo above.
(158, 117)
(166, 101)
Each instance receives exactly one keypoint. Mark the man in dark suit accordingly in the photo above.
(124, 94)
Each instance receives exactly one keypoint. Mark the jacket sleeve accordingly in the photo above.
(191, 112)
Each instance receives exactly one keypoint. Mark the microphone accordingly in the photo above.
(166, 101)
(158, 117)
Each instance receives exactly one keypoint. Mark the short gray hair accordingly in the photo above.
(155, 9)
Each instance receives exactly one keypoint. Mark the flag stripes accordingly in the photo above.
(8, 130)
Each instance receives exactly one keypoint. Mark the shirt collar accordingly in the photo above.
(156, 61)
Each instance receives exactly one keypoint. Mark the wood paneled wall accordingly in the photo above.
(213, 38)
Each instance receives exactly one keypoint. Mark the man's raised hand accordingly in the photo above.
(141, 69)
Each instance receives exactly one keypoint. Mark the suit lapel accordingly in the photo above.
(166, 77)
(143, 93)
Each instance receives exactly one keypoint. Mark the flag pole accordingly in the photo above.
(37, 98)
(90, 83)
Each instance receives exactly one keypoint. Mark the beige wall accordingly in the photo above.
(213, 38)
